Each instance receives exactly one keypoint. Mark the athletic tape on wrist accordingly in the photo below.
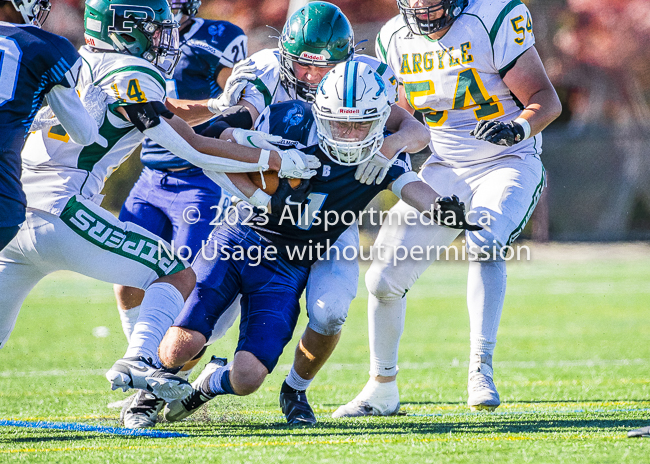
(403, 180)
(260, 199)
(525, 125)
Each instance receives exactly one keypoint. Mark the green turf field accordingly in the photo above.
(572, 367)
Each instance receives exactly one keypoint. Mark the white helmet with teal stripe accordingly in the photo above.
(351, 110)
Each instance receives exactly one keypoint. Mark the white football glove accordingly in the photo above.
(94, 100)
(256, 139)
(242, 74)
(44, 119)
(376, 168)
(297, 165)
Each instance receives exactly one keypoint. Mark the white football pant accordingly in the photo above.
(501, 195)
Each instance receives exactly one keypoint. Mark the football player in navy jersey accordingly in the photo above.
(44, 64)
(172, 198)
(267, 258)
(313, 40)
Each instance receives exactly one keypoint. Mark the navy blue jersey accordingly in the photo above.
(32, 62)
(335, 192)
(207, 47)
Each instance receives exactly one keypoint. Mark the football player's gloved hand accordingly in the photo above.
(376, 168)
(498, 132)
(296, 164)
(256, 139)
(94, 100)
(44, 119)
(287, 197)
(450, 212)
(242, 74)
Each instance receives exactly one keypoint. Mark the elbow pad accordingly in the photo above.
(147, 115)
(236, 116)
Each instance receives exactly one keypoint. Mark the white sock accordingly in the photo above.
(161, 304)
(128, 317)
(486, 290)
(385, 327)
(296, 382)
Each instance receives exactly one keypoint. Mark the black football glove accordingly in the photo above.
(450, 212)
(288, 197)
(498, 132)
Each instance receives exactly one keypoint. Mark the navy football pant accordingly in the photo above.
(176, 206)
(7, 234)
(271, 289)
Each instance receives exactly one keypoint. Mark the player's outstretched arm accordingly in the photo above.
(446, 211)
(72, 115)
(196, 112)
(172, 133)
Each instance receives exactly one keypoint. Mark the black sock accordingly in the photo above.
(287, 389)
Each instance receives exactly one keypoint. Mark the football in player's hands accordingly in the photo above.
(271, 181)
(288, 196)
(450, 212)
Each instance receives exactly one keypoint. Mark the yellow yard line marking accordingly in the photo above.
(293, 443)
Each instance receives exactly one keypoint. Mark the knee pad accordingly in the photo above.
(382, 283)
(328, 313)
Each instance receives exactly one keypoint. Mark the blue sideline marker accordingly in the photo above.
(78, 427)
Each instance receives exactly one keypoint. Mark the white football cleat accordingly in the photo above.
(182, 408)
(483, 394)
(140, 373)
(121, 403)
(142, 411)
(376, 399)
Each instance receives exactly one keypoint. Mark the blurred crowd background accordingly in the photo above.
(597, 54)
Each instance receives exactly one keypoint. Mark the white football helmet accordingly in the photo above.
(351, 109)
(34, 12)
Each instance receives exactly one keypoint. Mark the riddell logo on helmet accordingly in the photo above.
(349, 110)
(312, 56)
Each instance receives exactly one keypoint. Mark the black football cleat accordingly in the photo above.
(295, 406)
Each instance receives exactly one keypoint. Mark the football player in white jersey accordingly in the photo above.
(129, 46)
(314, 39)
(471, 68)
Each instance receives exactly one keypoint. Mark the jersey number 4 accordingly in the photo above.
(470, 93)
(10, 55)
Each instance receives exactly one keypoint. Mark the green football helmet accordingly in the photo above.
(318, 34)
(143, 28)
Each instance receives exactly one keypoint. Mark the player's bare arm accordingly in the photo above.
(231, 80)
(447, 211)
(408, 134)
(216, 147)
(528, 81)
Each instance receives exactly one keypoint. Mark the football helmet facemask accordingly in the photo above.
(143, 28)
(418, 20)
(182, 8)
(351, 110)
(318, 34)
(34, 12)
